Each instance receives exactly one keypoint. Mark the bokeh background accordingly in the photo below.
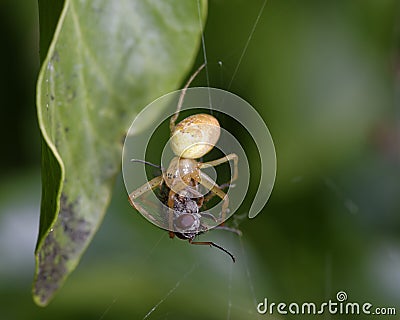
(325, 76)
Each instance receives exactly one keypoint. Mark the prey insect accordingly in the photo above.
(181, 184)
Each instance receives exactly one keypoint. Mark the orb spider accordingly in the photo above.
(191, 139)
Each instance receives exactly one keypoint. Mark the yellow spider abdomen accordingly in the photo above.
(195, 136)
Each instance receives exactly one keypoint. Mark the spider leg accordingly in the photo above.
(211, 195)
(150, 185)
(229, 157)
(180, 101)
(209, 184)
(212, 244)
(217, 190)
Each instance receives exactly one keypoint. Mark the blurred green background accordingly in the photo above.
(325, 77)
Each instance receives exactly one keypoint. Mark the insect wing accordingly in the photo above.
(151, 206)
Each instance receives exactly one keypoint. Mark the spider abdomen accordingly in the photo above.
(195, 136)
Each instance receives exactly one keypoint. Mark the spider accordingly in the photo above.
(191, 139)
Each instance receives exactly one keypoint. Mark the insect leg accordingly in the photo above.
(212, 244)
(171, 196)
(234, 230)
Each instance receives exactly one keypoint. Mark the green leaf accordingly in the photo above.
(107, 60)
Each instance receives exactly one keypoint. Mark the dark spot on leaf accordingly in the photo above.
(71, 94)
(52, 268)
(55, 57)
(66, 129)
(76, 228)
(61, 245)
